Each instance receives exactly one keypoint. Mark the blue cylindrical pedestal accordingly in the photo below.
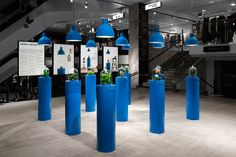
(192, 98)
(90, 93)
(157, 106)
(106, 118)
(44, 98)
(72, 106)
(122, 99)
(129, 86)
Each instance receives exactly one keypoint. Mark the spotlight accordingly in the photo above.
(233, 4)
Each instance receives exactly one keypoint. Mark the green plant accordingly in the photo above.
(126, 68)
(90, 72)
(105, 77)
(73, 76)
(156, 73)
(45, 73)
(122, 71)
(192, 71)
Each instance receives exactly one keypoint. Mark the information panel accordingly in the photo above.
(63, 59)
(88, 59)
(110, 58)
(31, 59)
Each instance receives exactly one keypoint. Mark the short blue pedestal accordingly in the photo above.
(44, 98)
(157, 106)
(122, 99)
(72, 106)
(192, 98)
(129, 86)
(90, 93)
(106, 119)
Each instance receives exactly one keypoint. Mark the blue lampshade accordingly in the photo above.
(91, 43)
(122, 41)
(158, 45)
(105, 30)
(73, 35)
(192, 41)
(44, 40)
(127, 47)
(156, 38)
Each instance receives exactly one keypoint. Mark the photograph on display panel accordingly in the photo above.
(88, 59)
(63, 59)
(110, 58)
(31, 58)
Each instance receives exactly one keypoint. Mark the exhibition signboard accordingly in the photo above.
(31, 59)
(110, 58)
(88, 59)
(63, 59)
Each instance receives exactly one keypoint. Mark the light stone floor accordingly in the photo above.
(21, 135)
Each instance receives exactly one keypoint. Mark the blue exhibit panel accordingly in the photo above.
(90, 93)
(192, 98)
(106, 119)
(44, 98)
(157, 106)
(72, 107)
(129, 86)
(122, 99)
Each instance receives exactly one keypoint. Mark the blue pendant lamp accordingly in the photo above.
(105, 30)
(192, 41)
(122, 41)
(158, 45)
(127, 47)
(156, 37)
(91, 43)
(44, 40)
(73, 35)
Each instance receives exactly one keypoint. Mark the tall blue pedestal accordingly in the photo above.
(44, 98)
(106, 119)
(192, 98)
(129, 86)
(157, 106)
(72, 106)
(122, 99)
(90, 93)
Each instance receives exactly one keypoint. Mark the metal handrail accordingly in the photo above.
(8, 58)
(160, 54)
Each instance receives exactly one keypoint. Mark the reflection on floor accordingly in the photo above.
(21, 135)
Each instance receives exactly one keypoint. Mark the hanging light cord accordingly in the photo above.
(73, 12)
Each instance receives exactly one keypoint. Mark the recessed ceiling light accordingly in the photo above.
(211, 2)
(203, 10)
(233, 4)
(186, 20)
(154, 13)
(172, 24)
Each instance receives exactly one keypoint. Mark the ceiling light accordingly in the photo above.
(105, 30)
(121, 41)
(192, 41)
(156, 37)
(154, 13)
(233, 4)
(86, 2)
(186, 20)
(86, 6)
(203, 10)
(44, 40)
(73, 35)
(91, 43)
(172, 24)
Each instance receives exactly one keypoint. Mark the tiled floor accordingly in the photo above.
(21, 135)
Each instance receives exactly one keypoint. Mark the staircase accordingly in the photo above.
(177, 67)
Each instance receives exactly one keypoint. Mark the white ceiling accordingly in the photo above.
(187, 9)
